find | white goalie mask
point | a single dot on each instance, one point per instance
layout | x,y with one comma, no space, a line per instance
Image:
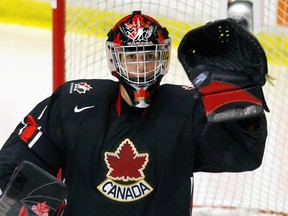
140,65
138,51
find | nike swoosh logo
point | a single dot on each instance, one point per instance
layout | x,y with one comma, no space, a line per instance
77,110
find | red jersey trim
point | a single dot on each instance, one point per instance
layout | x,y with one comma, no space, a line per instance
30,129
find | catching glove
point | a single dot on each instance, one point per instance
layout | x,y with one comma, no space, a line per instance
228,65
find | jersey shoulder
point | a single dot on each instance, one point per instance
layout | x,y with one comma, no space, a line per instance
177,99
177,91
86,87
77,94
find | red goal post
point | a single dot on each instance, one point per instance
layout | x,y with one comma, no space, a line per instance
79,33
58,40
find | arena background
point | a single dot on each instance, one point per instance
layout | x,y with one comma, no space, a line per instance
25,59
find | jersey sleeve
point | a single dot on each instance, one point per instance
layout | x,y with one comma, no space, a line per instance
231,146
35,139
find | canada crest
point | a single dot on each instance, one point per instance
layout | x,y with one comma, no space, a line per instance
38,209
82,87
139,30
41,209
125,177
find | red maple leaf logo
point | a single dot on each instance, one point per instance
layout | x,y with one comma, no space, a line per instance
40,209
126,163
142,93
117,39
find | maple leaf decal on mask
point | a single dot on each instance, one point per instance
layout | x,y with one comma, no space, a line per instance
126,163
142,93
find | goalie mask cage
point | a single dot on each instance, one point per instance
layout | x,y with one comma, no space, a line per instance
79,34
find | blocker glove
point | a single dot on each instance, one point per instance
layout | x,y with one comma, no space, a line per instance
228,65
32,191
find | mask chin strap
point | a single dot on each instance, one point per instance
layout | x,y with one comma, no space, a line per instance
141,96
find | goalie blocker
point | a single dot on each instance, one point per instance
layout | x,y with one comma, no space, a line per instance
228,65
32,191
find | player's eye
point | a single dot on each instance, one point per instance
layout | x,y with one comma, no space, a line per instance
151,57
131,57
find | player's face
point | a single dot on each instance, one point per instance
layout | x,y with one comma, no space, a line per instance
140,65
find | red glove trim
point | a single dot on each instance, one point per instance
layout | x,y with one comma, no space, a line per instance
218,94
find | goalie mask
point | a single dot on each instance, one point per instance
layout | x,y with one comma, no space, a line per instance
138,51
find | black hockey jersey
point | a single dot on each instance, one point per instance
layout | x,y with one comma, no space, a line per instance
119,160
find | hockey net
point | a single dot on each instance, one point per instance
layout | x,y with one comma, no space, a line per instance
80,28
